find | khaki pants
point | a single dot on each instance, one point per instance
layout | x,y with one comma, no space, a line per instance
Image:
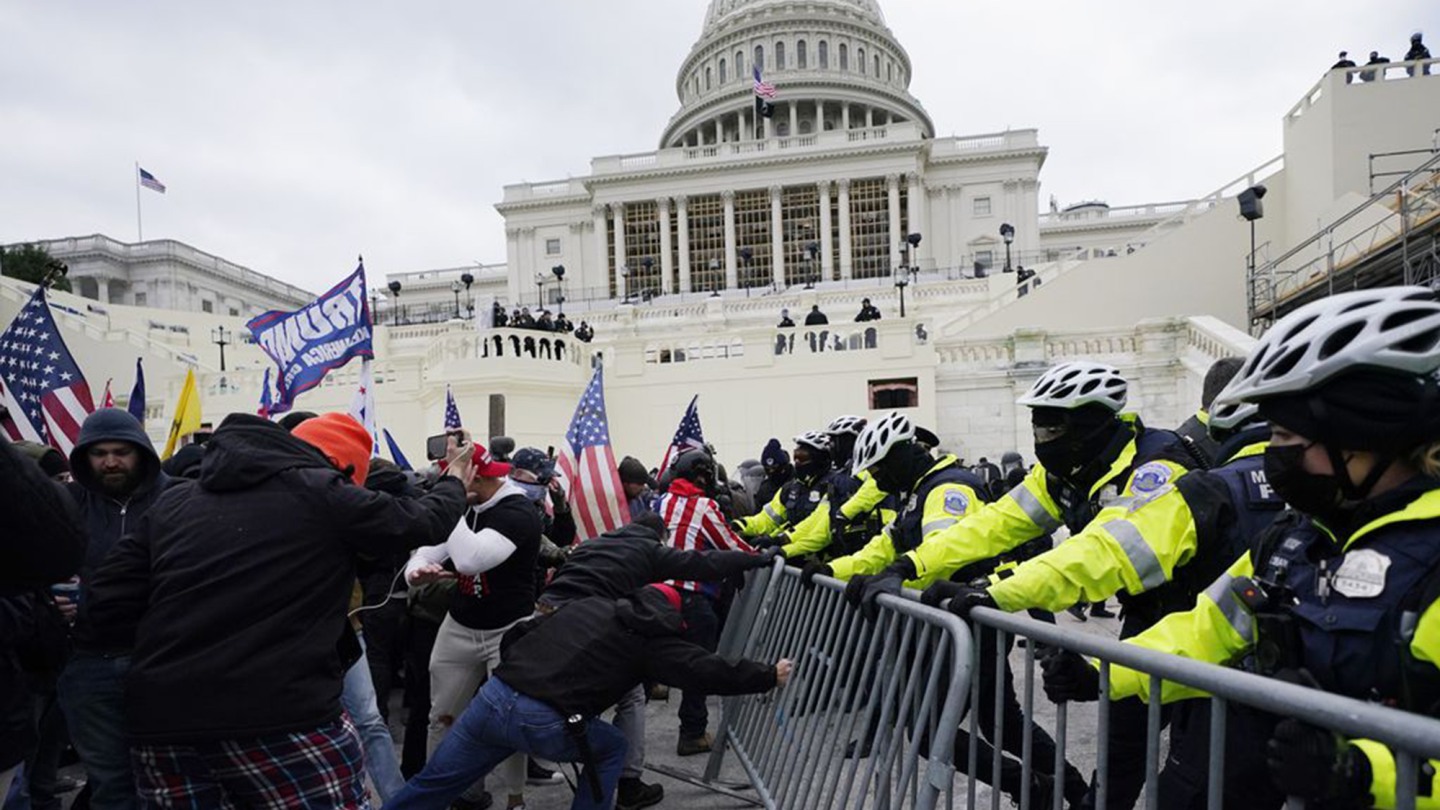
460,662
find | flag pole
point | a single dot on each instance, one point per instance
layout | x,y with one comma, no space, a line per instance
139,224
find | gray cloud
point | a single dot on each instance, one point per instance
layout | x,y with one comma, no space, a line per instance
293,136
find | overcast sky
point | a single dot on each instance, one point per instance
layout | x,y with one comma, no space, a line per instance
293,136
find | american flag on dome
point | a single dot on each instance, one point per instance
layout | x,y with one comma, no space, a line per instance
452,413
763,88
588,463
688,436
44,393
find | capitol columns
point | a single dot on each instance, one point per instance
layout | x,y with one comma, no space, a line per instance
601,274
512,251
847,267
682,221
617,211
827,263
777,238
892,184
666,266
728,196
915,194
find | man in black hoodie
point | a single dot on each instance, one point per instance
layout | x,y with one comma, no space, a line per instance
558,672
117,479
232,591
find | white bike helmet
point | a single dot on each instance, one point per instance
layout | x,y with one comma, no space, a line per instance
846,425
880,437
1231,415
1388,329
815,440
1071,385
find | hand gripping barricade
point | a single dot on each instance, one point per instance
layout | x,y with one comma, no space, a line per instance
868,718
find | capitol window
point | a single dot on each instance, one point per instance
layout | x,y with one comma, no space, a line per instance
552,247
877,66
844,57
760,56
723,74
779,56
207,306
860,58
708,77
982,207
140,299
739,66
824,55
800,55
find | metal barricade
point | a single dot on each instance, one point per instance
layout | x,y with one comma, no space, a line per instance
1412,737
868,718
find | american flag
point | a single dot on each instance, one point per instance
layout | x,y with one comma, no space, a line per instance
763,88
688,436
452,413
43,390
588,463
148,180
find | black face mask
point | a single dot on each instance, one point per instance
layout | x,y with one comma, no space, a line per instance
1318,496
1066,455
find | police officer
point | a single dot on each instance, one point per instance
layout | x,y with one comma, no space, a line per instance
1094,461
854,509
1339,592
797,498
1194,527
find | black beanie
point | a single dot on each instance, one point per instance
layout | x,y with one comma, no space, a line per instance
1363,410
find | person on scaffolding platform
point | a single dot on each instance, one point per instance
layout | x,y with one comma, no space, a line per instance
1343,592
1093,462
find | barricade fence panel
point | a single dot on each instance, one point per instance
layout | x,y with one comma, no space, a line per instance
868,718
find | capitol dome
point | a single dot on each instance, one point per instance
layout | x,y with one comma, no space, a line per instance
834,63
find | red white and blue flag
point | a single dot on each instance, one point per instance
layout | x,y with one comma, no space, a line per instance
763,88
45,394
362,406
688,436
149,181
452,413
588,463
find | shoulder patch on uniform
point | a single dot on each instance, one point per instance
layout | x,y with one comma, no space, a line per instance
1139,499
1150,477
956,502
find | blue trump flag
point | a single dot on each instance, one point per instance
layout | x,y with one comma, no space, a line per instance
400,460
311,341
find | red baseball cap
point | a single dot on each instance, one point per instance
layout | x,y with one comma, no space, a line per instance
486,465
672,595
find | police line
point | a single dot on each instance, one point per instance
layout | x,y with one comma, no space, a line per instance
869,715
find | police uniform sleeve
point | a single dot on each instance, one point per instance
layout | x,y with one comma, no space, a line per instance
1218,630
945,507
1134,546
1424,646
768,520
1024,513
864,500
871,559
811,534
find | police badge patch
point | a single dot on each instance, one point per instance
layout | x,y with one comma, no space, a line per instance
1149,477
956,503
1361,575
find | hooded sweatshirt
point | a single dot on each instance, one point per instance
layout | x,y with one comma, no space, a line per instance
584,657
234,586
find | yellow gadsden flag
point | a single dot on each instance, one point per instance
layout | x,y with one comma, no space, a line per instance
187,415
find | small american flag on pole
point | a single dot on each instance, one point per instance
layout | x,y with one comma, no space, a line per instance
688,436
452,413
588,463
763,88
45,394
149,181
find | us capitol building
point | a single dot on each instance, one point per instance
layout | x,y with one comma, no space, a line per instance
681,258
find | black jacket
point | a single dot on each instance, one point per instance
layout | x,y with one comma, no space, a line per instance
41,537
584,657
620,562
234,587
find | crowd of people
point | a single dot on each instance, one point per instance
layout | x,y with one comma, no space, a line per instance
1416,52
521,318
227,628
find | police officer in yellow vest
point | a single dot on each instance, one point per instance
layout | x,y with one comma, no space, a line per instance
854,509
1095,464
797,499
1343,592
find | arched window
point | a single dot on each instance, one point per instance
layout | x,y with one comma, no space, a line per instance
779,56
800,55
844,57
739,66
889,71
860,60
760,56
708,77
722,72
824,55
877,66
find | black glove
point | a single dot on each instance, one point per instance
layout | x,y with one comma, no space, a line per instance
812,570
1069,677
970,596
767,541
939,592
765,558
866,594
1313,763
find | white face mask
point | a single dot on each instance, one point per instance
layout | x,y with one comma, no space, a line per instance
534,492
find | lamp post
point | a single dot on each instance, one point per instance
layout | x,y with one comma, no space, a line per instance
714,278
1007,232
540,279
220,336
648,264
1252,209
455,288
394,288
746,257
812,252
559,271
468,279
903,272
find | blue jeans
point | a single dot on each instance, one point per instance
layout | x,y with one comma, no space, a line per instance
92,695
498,723
382,764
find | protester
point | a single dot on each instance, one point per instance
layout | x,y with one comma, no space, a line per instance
785,321
639,486
498,317
562,324
1345,63
117,480
44,539
778,470
1375,59
816,317
583,332
1417,51
494,548
233,590
559,673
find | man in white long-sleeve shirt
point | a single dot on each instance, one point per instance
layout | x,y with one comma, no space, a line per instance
493,550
